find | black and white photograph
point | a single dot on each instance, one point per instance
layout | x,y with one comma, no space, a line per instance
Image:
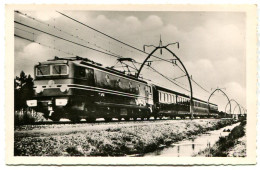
163,83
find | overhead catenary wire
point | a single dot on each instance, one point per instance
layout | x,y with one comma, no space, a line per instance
42,44
176,82
200,86
167,78
123,43
115,55
68,41
95,44
110,36
60,30
65,39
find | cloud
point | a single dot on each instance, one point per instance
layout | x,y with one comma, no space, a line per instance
46,15
153,22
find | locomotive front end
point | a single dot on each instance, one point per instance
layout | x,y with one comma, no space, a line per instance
51,91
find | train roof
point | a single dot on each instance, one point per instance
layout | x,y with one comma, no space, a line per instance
87,62
180,94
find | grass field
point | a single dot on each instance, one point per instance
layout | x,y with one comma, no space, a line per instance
107,139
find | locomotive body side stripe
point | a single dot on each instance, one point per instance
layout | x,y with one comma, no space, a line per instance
103,90
88,89
91,88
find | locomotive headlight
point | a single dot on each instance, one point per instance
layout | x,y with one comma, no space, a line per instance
31,103
64,88
61,102
39,89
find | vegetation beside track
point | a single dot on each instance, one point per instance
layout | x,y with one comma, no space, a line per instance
233,145
110,140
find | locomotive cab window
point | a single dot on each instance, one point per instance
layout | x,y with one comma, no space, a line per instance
82,72
59,69
42,70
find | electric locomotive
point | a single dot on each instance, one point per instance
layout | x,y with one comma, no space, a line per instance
78,88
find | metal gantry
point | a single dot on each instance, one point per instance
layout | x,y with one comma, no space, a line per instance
237,105
218,89
161,47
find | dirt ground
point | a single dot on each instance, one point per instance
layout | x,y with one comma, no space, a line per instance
107,139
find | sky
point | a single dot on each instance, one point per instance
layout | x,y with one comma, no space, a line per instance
212,45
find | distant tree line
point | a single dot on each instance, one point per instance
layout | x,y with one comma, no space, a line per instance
23,90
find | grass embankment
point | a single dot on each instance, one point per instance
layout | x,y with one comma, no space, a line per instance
112,140
225,146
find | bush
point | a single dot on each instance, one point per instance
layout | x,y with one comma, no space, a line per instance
24,116
73,151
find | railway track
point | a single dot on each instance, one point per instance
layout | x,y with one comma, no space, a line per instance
102,121
68,127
